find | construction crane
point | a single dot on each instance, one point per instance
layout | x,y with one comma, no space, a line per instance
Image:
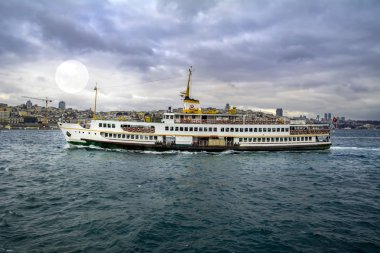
47,101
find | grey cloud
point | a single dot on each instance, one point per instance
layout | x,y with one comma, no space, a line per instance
41,79
75,36
321,49
185,8
11,44
71,34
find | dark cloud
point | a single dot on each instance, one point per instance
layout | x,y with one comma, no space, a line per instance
267,52
71,34
10,44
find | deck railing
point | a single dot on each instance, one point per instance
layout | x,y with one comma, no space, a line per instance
310,131
139,129
231,122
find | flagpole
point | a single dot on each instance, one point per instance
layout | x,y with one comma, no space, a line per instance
96,95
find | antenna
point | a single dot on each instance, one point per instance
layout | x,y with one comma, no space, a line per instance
96,95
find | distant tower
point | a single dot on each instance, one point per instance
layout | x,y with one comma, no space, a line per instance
279,112
325,117
227,107
317,117
329,116
62,105
29,105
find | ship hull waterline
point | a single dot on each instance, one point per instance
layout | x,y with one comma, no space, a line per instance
193,148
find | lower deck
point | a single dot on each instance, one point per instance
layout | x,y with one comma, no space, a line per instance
195,147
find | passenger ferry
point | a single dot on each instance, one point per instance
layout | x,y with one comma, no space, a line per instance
195,130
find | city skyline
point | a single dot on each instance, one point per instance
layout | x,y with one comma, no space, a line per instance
279,112
306,57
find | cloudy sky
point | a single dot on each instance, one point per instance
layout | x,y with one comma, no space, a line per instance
308,57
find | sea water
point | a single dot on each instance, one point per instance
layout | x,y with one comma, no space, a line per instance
57,198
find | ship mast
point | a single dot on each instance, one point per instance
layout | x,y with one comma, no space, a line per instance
187,93
190,105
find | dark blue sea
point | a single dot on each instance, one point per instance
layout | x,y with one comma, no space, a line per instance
56,198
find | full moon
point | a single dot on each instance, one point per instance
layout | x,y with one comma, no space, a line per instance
71,76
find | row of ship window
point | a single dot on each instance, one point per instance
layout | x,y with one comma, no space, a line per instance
130,136
145,137
106,125
228,129
275,139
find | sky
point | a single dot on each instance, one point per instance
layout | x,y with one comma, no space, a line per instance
307,57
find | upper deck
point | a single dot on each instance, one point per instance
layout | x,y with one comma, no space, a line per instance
230,119
226,121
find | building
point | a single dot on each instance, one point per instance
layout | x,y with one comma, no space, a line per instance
23,113
62,105
30,120
327,116
16,120
302,117
279,112
29,105
227,107
5,114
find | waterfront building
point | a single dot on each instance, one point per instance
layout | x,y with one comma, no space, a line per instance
15,120
327,116
29,105
5,114
279,112
62,105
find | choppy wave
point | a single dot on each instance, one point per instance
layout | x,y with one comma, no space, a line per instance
356,137
356,148
227,152
88,198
